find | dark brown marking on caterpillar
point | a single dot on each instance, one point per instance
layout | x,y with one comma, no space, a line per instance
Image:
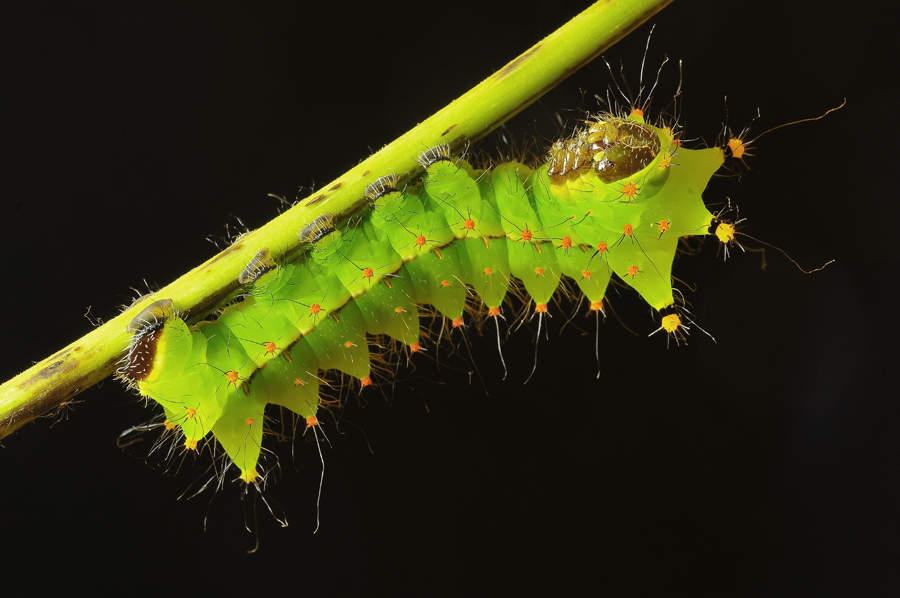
259,265
141,354
444,134
336,187
146,328
315,200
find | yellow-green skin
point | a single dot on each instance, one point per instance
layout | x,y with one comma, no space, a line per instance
461,229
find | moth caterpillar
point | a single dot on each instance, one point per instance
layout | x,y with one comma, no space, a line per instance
613,198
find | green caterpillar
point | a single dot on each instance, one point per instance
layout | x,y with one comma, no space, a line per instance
615,197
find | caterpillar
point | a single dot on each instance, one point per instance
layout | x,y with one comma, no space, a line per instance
614,198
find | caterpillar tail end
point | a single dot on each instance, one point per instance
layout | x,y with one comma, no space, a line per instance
249,476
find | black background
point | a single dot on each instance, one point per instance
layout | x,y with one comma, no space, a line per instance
765,464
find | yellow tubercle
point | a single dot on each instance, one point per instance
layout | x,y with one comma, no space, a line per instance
737,147
725,232
671,322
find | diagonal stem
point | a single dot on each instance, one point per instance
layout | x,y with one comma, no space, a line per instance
55,380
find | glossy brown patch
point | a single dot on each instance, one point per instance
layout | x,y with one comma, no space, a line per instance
141,354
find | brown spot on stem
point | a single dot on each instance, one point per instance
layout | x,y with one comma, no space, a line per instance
515,64
222,254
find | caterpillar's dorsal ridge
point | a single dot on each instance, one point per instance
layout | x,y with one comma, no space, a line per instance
316,230
437,153
259,265
381,186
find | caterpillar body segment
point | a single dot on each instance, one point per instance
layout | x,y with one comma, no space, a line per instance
609,201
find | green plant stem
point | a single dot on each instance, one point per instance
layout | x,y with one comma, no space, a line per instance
55,380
